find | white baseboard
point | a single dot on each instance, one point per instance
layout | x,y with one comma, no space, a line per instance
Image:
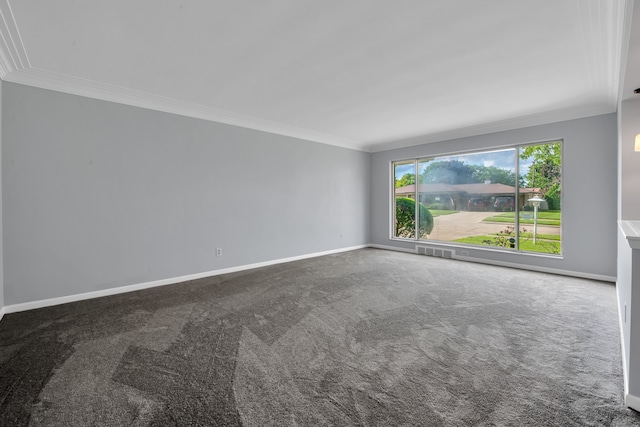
632,401
508,264
14,308
537,268
393,248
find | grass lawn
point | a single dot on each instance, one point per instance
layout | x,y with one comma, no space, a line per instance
555,237
437,212
546,243
526,217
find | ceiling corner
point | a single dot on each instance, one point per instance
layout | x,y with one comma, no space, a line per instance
13,55
624,22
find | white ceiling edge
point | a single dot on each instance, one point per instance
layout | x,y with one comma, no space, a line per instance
76,86
105,92
13,55
545,118
16,68
629,66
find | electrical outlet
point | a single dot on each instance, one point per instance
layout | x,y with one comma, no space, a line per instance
463,253
218,251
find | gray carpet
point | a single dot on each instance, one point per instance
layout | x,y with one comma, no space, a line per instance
364,338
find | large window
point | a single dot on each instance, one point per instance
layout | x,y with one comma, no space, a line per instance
508,198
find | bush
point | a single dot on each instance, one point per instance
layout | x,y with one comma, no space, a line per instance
553,201
405,218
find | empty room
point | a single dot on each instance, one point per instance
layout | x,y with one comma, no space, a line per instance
302,213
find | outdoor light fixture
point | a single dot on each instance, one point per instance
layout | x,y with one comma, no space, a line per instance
535,202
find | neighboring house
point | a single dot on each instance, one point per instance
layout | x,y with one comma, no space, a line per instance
457,196
527,193
430,194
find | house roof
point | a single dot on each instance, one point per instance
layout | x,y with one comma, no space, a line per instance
537,190
429,188
473,189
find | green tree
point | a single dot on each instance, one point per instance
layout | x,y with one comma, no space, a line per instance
406,222
457,172
493,174
545,170
447,172
406,179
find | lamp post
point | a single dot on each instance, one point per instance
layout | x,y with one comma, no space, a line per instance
535,202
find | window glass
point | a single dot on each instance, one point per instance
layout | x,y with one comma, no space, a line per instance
506,199
540,194
404,212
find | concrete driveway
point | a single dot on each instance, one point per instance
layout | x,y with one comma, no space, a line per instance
465,224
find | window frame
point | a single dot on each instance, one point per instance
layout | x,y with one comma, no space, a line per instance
517,147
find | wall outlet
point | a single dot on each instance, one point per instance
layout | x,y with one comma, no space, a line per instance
464,253
218,251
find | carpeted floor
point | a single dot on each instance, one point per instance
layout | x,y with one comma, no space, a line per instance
364,338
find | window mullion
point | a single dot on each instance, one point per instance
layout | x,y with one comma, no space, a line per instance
416,204
516,204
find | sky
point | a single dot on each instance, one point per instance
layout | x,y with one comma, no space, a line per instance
503,159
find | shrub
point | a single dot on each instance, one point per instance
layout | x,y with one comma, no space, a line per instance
506,238
553,201
405,218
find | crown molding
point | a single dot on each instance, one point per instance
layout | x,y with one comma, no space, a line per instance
499,126
13,55
612,45
629,78
96,90
76,86
16,68
625,20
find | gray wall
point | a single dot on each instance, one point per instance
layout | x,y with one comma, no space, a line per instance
589,192
1,228
99,195
630,160
628,260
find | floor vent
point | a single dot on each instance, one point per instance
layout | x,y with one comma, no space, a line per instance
442,253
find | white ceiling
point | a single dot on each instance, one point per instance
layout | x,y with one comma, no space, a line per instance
364,74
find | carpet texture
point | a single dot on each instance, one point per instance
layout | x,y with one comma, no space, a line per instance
364,338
